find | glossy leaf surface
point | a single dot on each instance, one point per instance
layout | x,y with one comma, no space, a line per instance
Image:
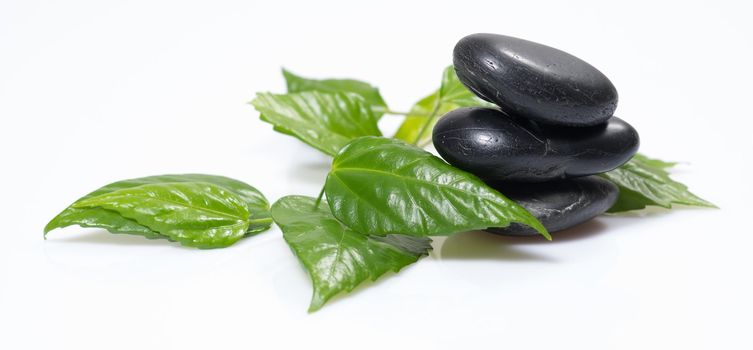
384,186
196,214
337,258
451,94
369,93
325,121
645,182
256,204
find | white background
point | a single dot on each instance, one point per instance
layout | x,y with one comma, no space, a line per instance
94,91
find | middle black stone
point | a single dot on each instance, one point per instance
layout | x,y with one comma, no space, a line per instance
497,147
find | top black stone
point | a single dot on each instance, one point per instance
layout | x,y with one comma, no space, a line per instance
534,81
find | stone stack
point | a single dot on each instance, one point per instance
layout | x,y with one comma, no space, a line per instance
553,131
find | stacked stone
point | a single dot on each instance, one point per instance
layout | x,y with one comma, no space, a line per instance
553,131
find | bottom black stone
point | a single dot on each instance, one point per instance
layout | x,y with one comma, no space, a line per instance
559,204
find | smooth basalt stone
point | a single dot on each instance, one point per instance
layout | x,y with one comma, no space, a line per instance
534,81
559,204
494,146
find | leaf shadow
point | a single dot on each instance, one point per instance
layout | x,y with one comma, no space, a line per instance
485,245
99,236
312,172
583,231
479,245
649,211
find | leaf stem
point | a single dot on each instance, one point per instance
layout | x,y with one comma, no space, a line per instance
389,111
267,220
259,219
428,121
319,198
424,143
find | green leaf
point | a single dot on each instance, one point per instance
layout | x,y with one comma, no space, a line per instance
385,186
655,163
337,258
196,214
325,121
645,182
416,120
369,93
451,94
452,91
255,202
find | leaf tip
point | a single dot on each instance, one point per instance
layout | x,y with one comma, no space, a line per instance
704,203
539,227
535,224
317,301
546,235
313,308
49,227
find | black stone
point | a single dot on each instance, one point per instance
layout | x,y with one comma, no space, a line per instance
560,204
534,81
494,146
